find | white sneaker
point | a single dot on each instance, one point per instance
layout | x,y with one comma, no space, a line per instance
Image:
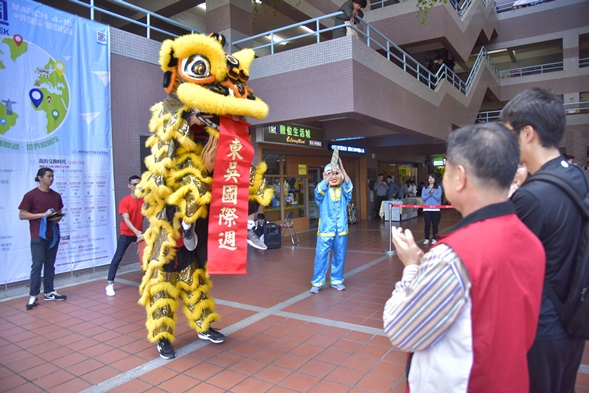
434,241
254,241
426,241
110,290
189,237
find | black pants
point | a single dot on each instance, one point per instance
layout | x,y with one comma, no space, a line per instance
378,200
43,258
432,218
122,244
553,365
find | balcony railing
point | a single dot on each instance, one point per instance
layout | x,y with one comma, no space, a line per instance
374,39
531,70
460,6
151,18
570,108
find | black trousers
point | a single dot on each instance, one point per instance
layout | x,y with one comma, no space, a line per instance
432,219
553,365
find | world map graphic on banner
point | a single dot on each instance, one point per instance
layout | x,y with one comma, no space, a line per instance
55,112
48,91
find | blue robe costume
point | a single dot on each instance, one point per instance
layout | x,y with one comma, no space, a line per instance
332,233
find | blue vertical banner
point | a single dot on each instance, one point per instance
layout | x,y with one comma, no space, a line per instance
55,112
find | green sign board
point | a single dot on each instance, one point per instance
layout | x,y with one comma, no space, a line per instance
294,135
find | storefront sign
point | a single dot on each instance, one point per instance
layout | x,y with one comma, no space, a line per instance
349,149
438,161
293,135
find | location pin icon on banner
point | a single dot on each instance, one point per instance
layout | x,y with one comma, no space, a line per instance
59,67
17,39
36,96
55,114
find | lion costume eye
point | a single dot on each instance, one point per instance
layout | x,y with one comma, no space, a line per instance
196,69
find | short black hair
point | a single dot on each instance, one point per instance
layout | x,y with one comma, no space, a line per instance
363,3
134,177
41,172
488,150
541,110
261,215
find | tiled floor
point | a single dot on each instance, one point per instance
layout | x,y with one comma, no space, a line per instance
281,338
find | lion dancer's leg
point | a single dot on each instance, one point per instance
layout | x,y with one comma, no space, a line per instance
194,285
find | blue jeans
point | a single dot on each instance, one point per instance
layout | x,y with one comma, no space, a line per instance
122,245
43,258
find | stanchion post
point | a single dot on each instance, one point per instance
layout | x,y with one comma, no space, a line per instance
390,250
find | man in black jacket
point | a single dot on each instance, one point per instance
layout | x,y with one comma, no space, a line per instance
537,118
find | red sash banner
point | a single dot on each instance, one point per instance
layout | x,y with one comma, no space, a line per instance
227,244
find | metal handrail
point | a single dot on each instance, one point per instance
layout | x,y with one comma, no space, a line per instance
531,70
374,39
570,108
148,14
459,8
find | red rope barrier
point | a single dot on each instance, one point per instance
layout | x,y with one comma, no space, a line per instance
422,206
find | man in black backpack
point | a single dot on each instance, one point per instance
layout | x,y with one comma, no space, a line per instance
538,119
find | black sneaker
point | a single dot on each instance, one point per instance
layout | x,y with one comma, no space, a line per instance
32,303
212,335
54,296
165,349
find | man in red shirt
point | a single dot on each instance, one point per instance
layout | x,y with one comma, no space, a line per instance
131,230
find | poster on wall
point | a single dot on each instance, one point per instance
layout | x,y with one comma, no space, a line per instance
55,112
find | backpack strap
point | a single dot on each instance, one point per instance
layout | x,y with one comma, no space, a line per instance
583,206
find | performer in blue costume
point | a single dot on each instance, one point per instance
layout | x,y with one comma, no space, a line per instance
332,194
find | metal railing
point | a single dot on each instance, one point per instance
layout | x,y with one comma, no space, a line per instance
375,40
570,108
583,62
460,6
149,16
531,70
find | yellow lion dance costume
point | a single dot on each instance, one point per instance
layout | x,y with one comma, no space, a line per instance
202,83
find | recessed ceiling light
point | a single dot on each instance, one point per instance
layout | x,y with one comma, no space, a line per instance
203,5
277,39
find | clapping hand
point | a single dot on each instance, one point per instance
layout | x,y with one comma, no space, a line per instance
407,250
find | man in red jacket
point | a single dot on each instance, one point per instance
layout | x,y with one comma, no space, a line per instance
469,308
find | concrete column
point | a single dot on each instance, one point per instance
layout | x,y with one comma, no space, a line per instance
570,52
232,18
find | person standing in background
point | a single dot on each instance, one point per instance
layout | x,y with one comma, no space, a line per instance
380,190
131,230
351,9
39,206
393,189
432,195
